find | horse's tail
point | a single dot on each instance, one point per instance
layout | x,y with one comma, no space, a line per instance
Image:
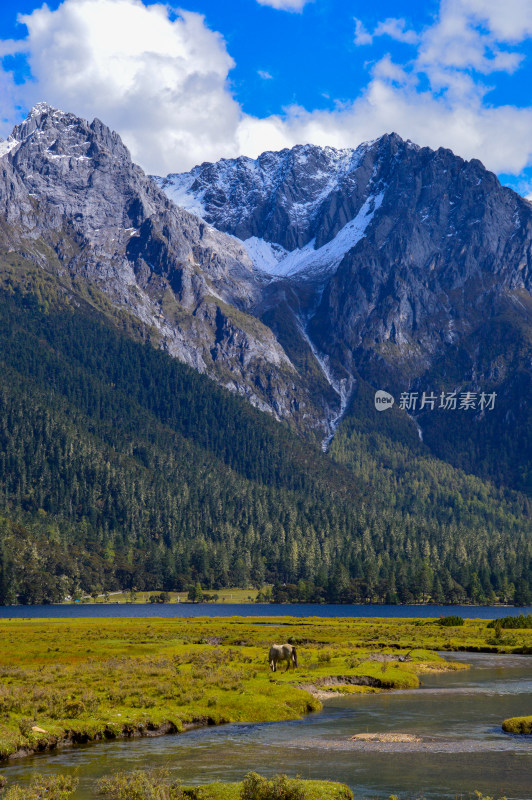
294,656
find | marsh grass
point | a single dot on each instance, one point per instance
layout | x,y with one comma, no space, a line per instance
59,787
97,678
140,785
156,784
255,787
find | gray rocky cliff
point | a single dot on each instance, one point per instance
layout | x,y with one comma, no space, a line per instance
447,241
392,264
73,201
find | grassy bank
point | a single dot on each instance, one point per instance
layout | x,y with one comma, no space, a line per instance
156,785
518,725
92,679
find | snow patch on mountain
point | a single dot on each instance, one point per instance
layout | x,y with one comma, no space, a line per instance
266,256
8,145
39,109
276,261
178,189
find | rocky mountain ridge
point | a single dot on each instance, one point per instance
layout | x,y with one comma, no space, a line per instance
307,274
399,264
72,201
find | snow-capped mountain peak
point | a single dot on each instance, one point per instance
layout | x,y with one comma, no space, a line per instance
289,206
242,181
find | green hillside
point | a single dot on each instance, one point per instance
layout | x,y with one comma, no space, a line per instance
120,467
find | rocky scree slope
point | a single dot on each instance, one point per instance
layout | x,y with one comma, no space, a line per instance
72,201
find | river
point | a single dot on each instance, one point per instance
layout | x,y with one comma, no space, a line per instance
457,717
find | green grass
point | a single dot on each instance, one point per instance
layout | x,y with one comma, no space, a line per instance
309,790
59,787
145,785
94,678
156,785
231,595
518,725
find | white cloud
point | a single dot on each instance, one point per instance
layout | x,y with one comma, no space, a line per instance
467,36
159,80
396,29
162,84
362,35
266,76
9,47
285,5
387,70
508,21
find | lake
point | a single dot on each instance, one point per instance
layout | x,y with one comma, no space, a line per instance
457,716
184,610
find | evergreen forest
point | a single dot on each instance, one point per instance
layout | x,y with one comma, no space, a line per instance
122,468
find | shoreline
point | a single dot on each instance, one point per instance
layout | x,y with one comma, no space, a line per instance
96,680
345,685
73,738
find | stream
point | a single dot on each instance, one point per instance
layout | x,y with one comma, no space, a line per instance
456,715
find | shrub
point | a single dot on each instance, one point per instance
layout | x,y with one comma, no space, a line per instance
255,787
520,621
451,622
74,708
324,657
59,787
522,725
140,785
163,597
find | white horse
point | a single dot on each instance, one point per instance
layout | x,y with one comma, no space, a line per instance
282,652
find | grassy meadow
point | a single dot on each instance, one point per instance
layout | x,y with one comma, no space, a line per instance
64,680
222,596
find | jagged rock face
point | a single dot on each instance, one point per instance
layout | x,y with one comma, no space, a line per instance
61,170
288,197
72,200
397,263
435,237
446,240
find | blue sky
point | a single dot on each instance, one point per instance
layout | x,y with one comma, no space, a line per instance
212,79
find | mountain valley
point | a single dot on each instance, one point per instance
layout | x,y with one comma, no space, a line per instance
178,352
